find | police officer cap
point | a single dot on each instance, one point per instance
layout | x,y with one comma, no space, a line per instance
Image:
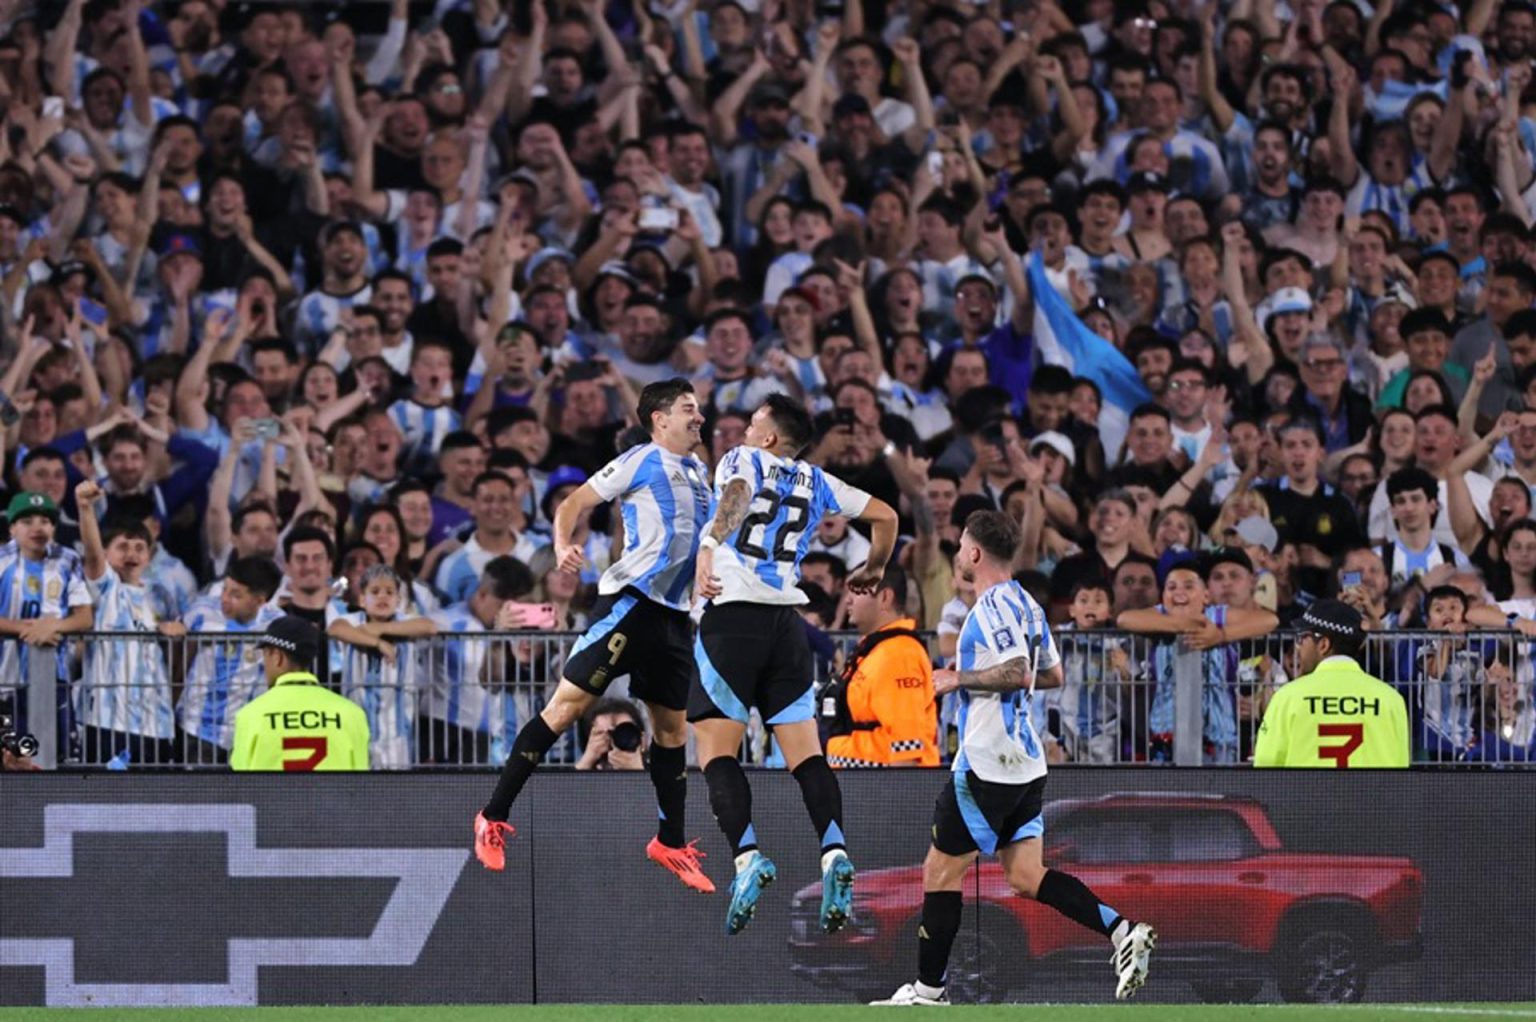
1333,618
295,637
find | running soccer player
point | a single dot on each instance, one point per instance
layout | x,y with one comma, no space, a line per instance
993,801
642,627
752,648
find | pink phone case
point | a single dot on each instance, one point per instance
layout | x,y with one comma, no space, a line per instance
540,616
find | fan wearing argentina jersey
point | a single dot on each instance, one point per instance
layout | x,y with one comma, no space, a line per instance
125,697
226,674
378,672
426,417
1414,497
752,649
43,597
641,627
994,799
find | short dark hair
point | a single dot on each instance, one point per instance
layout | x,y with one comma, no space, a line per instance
1522,323
1446,592
1411,478
124,525
1523,276
660,397
260,575
791,420
996,533
490,476
41,454
309,534
834,563
894,580
1094,582
1051,379
507,577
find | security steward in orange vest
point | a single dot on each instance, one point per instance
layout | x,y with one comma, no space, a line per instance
881,712
297,724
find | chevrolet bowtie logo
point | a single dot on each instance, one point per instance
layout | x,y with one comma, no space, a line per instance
388,898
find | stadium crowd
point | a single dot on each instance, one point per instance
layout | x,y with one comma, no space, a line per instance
1231,304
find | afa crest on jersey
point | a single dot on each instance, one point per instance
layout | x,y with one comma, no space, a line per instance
1003,639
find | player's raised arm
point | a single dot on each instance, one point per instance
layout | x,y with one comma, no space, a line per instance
882,540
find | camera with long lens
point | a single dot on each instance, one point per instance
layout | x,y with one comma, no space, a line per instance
626,736
19,745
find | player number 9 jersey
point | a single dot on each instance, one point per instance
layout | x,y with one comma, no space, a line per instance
759,562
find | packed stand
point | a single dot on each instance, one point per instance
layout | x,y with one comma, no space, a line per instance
1230,304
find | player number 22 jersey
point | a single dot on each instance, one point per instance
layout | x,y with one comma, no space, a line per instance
998,742
760,561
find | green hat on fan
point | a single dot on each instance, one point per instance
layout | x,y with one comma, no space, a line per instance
25,504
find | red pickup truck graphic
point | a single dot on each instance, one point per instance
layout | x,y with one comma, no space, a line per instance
1232,907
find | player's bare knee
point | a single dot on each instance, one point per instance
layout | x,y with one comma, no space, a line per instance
1024,879
943,872
565,707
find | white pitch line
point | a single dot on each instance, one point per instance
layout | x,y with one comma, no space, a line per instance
1422,1009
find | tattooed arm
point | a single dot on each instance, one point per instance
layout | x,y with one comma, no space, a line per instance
728,518
732,510
1008,676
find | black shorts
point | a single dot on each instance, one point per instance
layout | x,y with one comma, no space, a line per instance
752,654
639,637
973,815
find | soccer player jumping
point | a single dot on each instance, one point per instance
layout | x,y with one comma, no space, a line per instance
752,648
642,627
993,801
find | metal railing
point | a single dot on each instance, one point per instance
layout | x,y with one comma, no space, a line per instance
118,700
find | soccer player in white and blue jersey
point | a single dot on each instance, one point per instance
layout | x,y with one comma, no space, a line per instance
994,800
752,649
226,674
641,624
379,671
43,597
125,697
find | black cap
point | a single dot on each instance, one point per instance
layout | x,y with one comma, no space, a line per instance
1227,555
1146,181
295,637
1332,617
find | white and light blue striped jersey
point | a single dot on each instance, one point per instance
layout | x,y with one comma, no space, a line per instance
424,430
458,576
455,689
51,587
386,691
125,686
224,675
761,562
664,500
319,313
171,585
1405,565
997,738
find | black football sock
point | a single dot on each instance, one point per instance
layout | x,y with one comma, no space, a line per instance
532,742
669,774
1071,897
730,797
823,800
936,935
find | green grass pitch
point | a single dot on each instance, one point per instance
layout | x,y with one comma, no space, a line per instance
791,1013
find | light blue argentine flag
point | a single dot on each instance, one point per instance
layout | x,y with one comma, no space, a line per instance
1065,340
